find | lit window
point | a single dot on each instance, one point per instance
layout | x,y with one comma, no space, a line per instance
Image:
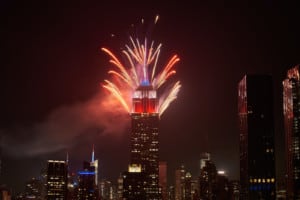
272,180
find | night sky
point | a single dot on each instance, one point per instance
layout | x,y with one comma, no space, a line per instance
52,69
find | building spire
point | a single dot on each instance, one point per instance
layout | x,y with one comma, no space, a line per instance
93,153
67,158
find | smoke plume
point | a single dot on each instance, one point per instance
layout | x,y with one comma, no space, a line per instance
65,126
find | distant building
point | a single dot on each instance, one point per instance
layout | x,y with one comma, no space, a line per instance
34,189
222,186
72,185
257,160
134,184
120,187
87,189
171,193
163,179
195,189
179,183
107,190
207,181
57,180
234,189
94,163
291,111
188,186
144,137
205,156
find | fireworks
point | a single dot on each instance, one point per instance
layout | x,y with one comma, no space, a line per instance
142,60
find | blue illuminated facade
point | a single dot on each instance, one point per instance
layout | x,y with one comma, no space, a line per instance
87,189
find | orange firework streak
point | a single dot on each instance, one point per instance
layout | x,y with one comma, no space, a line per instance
141,72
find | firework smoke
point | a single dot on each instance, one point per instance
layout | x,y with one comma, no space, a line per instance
65,126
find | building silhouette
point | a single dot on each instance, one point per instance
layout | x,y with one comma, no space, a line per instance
256,128
120,188
144,138
107,190
163,179
34,189
188,186
179,183
87,189
291,111
134,184
94,163
207,181
57,179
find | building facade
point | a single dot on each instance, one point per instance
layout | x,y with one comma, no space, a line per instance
291,111
207,181
144,138
134,184
256,128
87,189
57,180
163,179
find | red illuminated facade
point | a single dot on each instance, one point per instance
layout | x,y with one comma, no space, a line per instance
256,128
144,138
291,111
163,179
144,100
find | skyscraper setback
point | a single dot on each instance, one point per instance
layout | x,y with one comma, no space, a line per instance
291,111
257,160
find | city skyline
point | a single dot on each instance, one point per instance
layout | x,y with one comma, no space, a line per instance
53,70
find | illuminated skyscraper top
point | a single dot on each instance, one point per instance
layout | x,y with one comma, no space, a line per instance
140,81
141,78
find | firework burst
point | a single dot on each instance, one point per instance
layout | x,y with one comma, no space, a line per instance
141,69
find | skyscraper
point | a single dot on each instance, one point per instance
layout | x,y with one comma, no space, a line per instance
94,163
257,160
134,183
87,189
163,179
144,137
291,111
179,183
207,181
205,156
57,179
143,79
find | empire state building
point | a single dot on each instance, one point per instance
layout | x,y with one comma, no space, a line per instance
144,137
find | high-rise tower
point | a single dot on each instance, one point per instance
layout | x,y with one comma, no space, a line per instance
143,79
291,111
94,163
57,179
144,137
257,154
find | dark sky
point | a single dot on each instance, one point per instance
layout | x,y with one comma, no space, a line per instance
51,71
